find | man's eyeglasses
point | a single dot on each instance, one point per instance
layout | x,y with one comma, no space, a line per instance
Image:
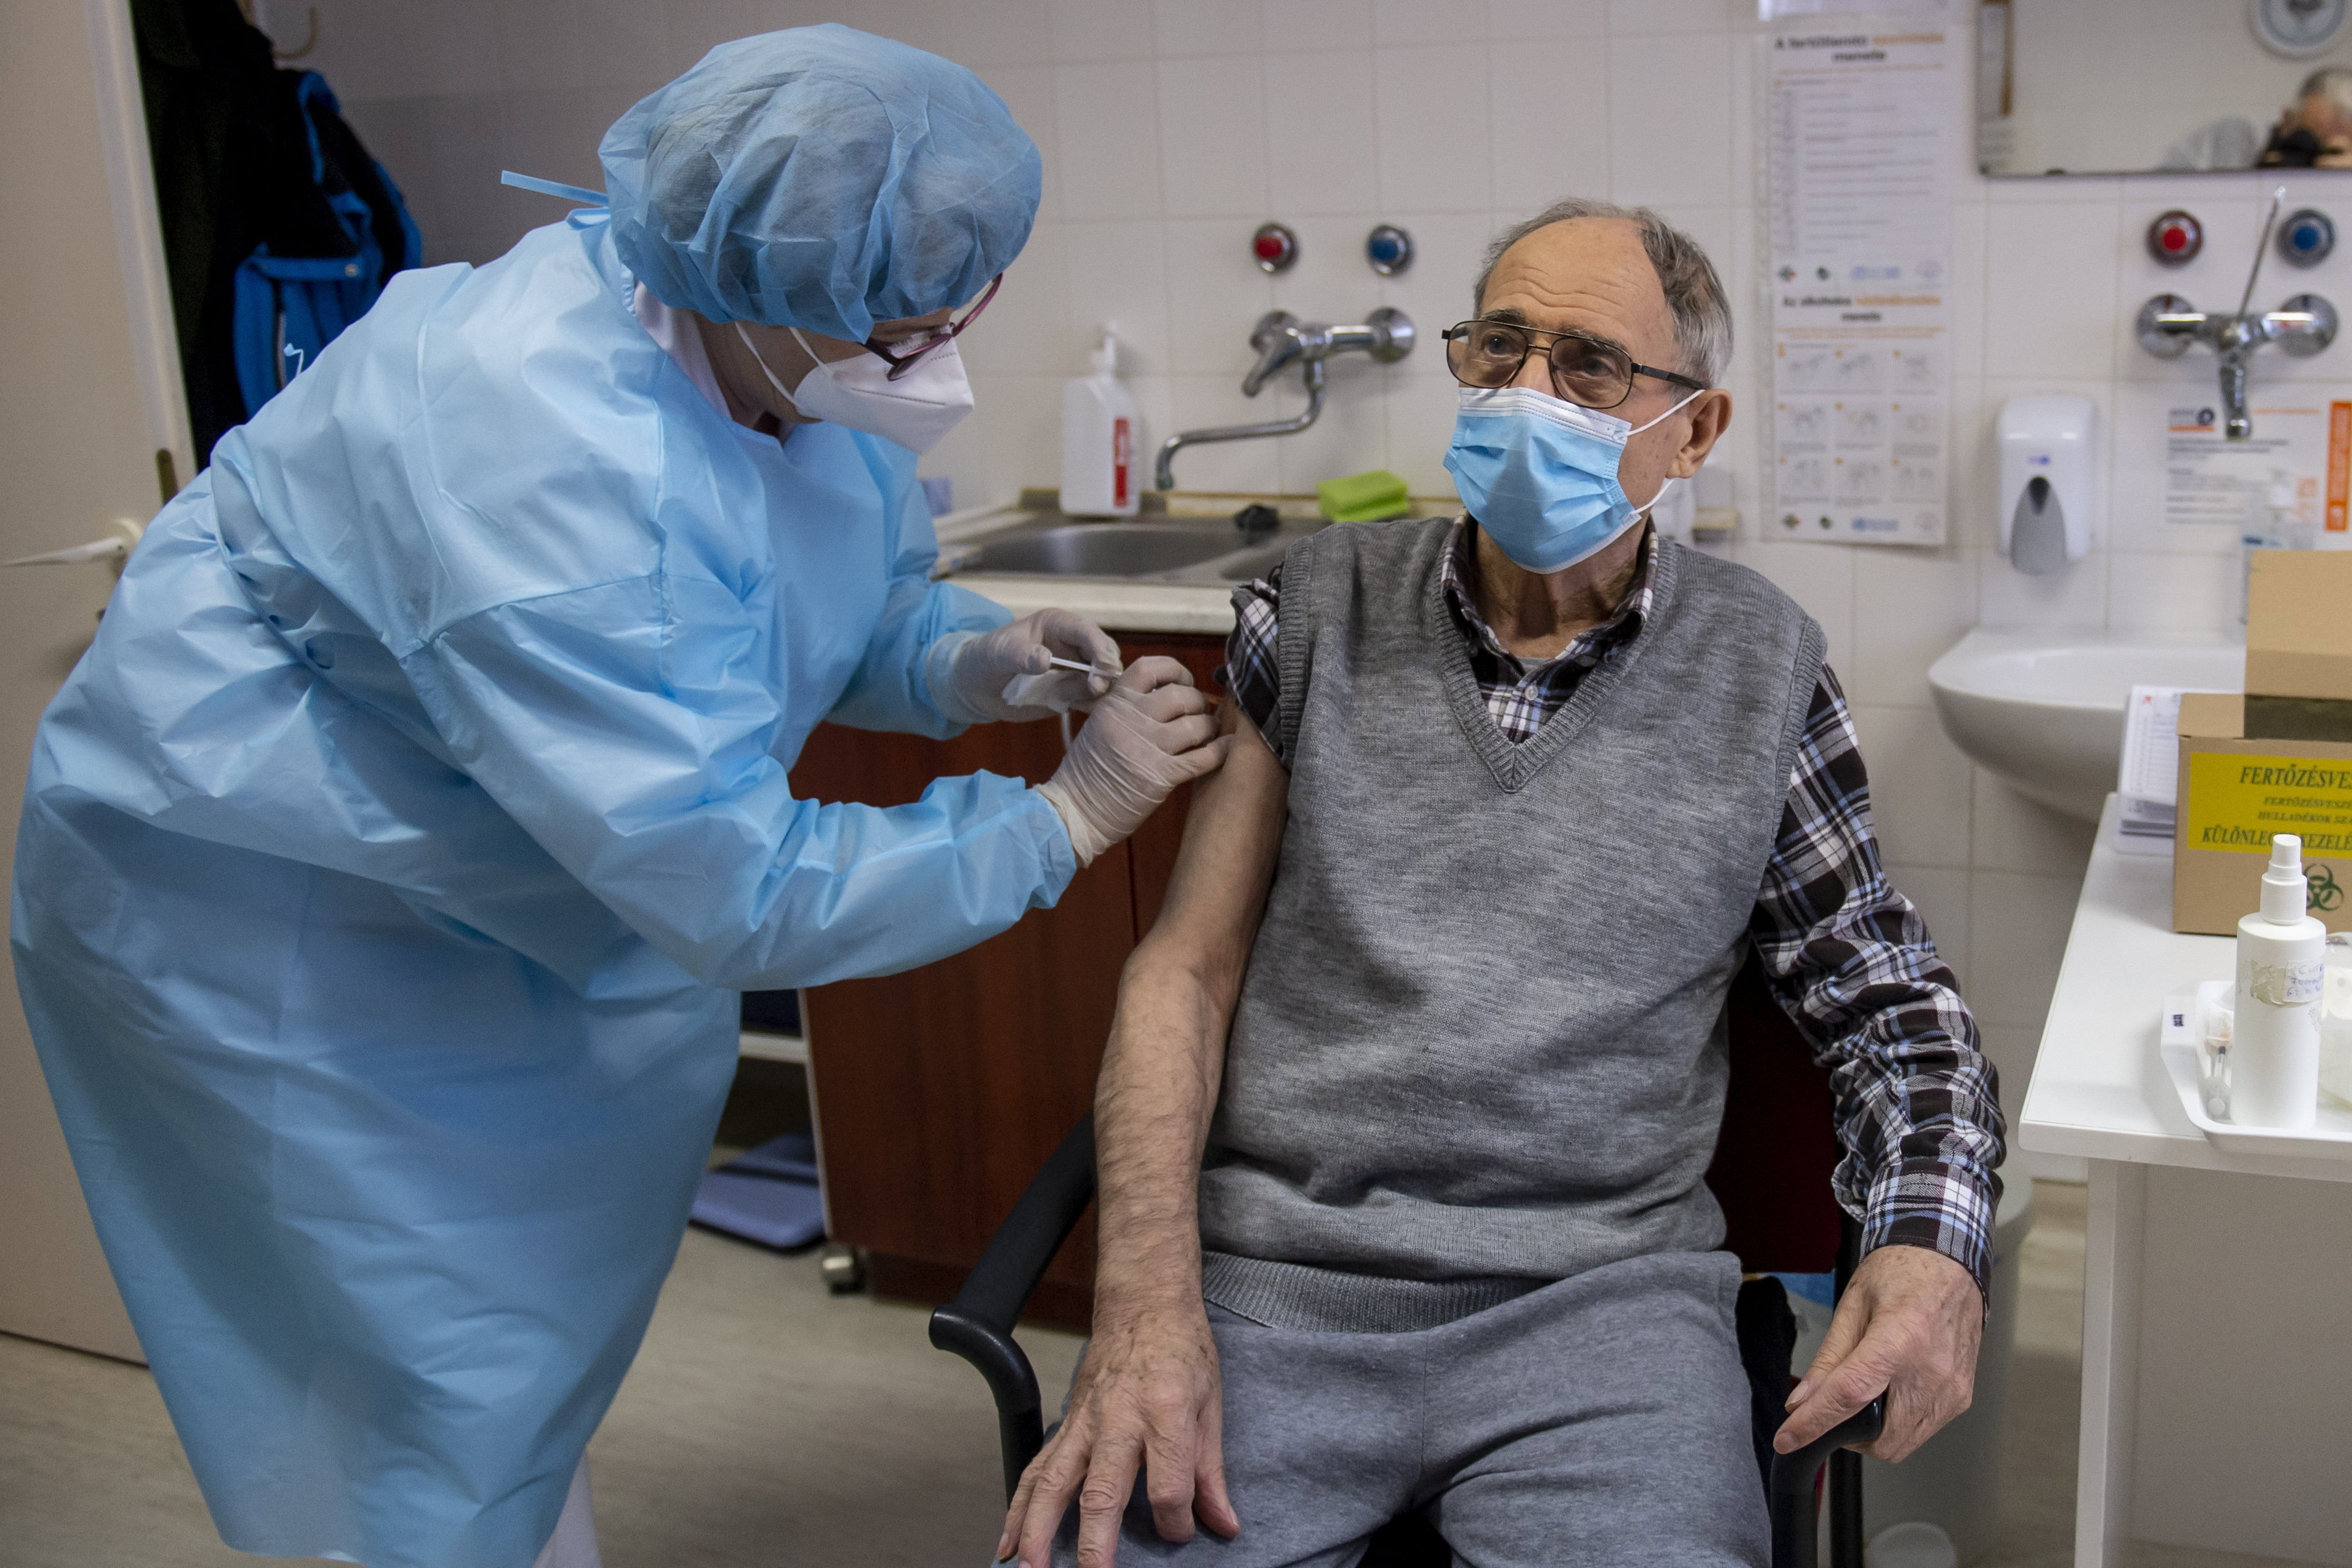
901,356
1585,370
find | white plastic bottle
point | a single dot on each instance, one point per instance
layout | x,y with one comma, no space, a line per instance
1099,436
2281,974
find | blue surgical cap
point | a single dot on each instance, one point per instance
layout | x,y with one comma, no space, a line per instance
820,178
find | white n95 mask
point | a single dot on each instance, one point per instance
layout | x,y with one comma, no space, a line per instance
1539,474
914,411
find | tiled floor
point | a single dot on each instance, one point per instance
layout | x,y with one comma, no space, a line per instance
768,1425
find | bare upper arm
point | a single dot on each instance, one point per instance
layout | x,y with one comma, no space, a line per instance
1231,837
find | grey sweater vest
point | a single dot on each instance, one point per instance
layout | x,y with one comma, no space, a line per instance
1480,1044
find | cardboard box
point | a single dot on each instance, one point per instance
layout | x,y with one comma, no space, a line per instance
2299,624
2234,794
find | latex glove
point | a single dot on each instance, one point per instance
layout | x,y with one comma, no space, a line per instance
983,677
1150,732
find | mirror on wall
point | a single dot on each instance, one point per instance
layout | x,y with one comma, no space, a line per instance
2105,87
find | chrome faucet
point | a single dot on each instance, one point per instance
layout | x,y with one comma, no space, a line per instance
1282,340
2305,324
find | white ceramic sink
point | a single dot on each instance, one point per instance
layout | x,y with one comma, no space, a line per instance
2044,712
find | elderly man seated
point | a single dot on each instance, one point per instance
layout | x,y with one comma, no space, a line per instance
1405,1114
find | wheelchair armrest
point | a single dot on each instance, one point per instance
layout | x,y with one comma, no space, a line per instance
978,1324
1791,1490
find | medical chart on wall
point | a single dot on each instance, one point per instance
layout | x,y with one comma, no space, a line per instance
2175,472
1858,152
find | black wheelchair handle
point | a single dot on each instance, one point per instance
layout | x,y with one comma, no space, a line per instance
1794,1530
978,1324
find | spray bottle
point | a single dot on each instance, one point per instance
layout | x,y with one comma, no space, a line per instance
1100,432
2282,970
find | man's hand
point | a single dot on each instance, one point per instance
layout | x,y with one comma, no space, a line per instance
1907,1326
1149,1395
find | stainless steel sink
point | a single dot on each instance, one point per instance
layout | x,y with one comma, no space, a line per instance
1206,551
1104,550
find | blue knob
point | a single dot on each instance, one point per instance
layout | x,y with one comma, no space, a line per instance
1389,249
2306,238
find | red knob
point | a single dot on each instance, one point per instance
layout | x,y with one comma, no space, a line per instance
1274,247
2175,237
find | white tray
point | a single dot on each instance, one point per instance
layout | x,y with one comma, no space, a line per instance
2328,1138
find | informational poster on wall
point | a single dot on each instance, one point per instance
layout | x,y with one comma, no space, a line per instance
2290,481
1858,148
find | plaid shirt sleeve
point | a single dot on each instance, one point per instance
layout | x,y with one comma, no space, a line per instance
1851,960
1249,674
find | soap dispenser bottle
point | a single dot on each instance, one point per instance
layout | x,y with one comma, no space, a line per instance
2282,970
1099,439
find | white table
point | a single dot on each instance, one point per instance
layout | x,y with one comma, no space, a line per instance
2216,1313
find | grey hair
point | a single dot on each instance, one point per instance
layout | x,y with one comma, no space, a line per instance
2332,83
1695,296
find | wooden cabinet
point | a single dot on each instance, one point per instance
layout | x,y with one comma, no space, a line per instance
938,1092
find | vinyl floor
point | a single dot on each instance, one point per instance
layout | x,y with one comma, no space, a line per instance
769,1425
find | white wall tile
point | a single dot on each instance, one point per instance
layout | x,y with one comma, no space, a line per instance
1206,26
1331,281
1966,296
1215,293
2164,594
1320,152
2012,1049
1027,329
1421,423
1101,30
1547,144
1918,786
1351,437
1028,92
1910,608
1435,289
2075,595
2050,274
1632,17
2017,934
1116,272
1529,20
1106,126
1432,109
1203,400
1670,119
2048,190
2014,834
1002,32
1320,26
1212,137
1428,21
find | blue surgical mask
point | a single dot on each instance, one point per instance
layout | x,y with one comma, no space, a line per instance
1539,474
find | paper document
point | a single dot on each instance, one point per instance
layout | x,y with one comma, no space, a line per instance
2147,777
1857,130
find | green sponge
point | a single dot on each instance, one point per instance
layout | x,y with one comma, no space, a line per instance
1363,498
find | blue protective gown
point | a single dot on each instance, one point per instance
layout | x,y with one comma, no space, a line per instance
384,861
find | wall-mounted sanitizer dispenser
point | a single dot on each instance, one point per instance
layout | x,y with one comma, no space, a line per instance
2047,454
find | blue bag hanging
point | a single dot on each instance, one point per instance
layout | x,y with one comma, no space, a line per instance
290,307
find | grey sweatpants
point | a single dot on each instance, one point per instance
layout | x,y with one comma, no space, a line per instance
1602,1420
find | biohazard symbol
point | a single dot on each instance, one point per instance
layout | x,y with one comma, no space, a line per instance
2325,892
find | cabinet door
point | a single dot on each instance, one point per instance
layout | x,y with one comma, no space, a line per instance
938,1092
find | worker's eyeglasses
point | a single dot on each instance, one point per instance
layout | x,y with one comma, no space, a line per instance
1585,370
901,356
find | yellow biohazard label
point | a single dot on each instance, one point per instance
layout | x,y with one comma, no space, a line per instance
2238,802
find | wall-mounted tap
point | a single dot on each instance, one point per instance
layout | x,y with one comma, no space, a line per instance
1282,340
2305,324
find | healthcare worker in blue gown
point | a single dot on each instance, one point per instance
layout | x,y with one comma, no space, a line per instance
391,861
